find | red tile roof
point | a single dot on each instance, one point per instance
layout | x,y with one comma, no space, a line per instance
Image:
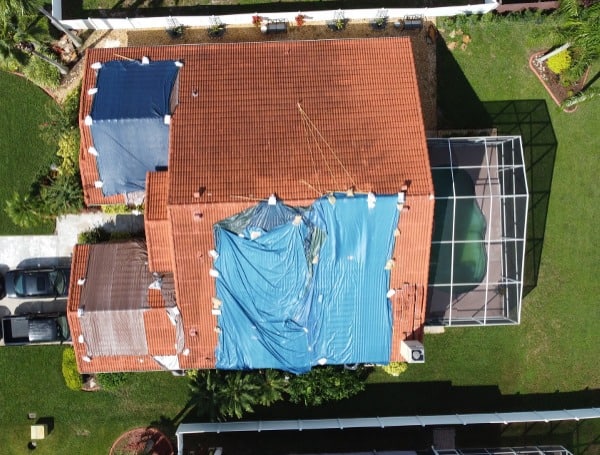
156,223
297,119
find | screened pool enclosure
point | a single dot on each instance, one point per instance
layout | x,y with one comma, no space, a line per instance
478,242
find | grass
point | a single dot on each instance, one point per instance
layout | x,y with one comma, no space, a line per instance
550,361
23,154
84,422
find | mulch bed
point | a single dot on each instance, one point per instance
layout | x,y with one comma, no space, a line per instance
147,441
552,84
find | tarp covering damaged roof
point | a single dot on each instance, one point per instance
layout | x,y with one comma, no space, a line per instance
130,116
301,287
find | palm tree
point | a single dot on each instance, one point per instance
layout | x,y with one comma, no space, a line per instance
237,395
579,28
272,384
203,394
29,48
24,7
18,39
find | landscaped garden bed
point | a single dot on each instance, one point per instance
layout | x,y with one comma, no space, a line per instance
558,90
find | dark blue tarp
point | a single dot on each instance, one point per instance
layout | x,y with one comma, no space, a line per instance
128,128
301,287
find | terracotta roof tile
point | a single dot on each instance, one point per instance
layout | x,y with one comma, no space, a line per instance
156,223
293,118
160,332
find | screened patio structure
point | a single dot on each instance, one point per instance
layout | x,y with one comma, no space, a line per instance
478,243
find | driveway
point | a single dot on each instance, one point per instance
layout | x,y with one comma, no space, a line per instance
20,251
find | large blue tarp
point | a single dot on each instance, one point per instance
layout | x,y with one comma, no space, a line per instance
302,287
128,128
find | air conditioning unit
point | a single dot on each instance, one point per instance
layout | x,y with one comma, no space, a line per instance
412,351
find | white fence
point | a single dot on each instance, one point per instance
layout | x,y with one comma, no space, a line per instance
246,19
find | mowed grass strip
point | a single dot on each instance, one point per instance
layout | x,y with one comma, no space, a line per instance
23,153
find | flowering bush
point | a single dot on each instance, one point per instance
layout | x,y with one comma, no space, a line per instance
69,370
395,368
560,62
257,20
300,20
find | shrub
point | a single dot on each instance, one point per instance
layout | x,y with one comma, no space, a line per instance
112,381
69,369
62,196
41,73
560,62
68,152
46,199
117,209
395,368
323,384
94,235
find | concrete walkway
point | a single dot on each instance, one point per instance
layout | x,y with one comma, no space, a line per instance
43,250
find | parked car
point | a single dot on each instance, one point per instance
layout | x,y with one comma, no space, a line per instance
36,283
35,328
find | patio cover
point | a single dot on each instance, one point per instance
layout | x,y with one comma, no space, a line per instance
129,129
304,287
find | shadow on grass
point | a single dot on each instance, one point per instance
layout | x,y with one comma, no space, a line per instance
530,119
75,9
460,108
409,399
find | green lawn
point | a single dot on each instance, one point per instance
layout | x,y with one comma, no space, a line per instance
84,422
546,362
23,154
559,332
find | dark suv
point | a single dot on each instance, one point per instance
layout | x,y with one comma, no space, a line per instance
37,283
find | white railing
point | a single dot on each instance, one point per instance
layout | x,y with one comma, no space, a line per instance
134,23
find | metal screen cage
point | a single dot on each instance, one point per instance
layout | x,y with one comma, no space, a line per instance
478,243
530,450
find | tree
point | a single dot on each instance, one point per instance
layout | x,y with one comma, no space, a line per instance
579,29
237,394
272,385
24,7
218,394
19,36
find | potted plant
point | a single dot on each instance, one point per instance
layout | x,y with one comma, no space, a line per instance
380,21
216,28
257,20
176,32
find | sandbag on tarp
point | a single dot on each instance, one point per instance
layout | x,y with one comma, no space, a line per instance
305,287
128,121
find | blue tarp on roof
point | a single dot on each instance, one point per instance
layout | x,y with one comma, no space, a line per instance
301,287
128,128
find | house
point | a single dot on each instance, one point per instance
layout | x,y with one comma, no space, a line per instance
289,206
